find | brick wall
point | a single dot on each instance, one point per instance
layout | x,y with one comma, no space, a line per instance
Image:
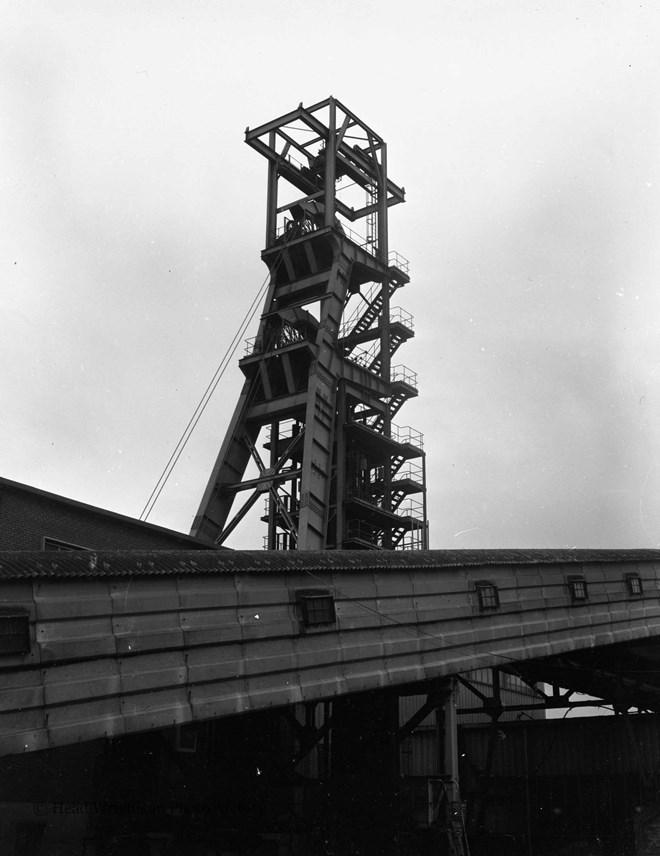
28,515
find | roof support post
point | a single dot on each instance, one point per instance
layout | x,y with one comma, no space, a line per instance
454,818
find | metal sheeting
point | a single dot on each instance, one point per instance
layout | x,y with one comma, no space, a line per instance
419,755
595,745
114,655
583,746
419,751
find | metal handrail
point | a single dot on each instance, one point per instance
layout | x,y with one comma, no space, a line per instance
401,316
403,374
366,495
396,260
411,508
397,316
411,471
406,434
364,531
413,540
365,357
400,434
294,161
291,503
288,335
253,345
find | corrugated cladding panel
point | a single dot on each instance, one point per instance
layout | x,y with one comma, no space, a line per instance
419,755
586,746
259,653
582,746
62,684
71,600
419,751
205,592
408,707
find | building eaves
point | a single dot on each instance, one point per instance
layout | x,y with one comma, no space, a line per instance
122,563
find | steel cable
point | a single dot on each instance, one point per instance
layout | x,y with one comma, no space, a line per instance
204,400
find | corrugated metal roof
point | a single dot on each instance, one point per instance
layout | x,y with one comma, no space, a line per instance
120,563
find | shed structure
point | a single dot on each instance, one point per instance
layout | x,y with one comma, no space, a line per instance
103,644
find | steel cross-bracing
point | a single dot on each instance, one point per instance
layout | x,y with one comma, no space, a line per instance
313,431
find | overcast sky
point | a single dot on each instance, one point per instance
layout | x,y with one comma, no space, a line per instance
527,138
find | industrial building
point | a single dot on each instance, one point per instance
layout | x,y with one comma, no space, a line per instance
346,689
250,702
34,519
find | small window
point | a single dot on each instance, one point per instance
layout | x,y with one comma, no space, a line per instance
317,609
186,738
14,633
489,597
54,544
578,588
634,583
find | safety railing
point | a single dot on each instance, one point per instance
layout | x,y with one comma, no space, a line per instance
287,335
291,229
410,471
402,374
397,316
365,532
254,345
411,508
408,507
293,161
407,435
400,316
372,496
413,540
290,504
284,432
365,357
368,244
396,260
283,541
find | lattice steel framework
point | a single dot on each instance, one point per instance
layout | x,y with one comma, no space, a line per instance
320,391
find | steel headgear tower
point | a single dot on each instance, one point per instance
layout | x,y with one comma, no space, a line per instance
320,383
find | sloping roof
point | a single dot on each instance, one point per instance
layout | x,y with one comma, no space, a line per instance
120,563
103,513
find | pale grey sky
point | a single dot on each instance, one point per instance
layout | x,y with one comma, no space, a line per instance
527,137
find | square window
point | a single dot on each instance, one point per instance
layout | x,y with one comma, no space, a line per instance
14,633
317,609
634,583
488,596
578,588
